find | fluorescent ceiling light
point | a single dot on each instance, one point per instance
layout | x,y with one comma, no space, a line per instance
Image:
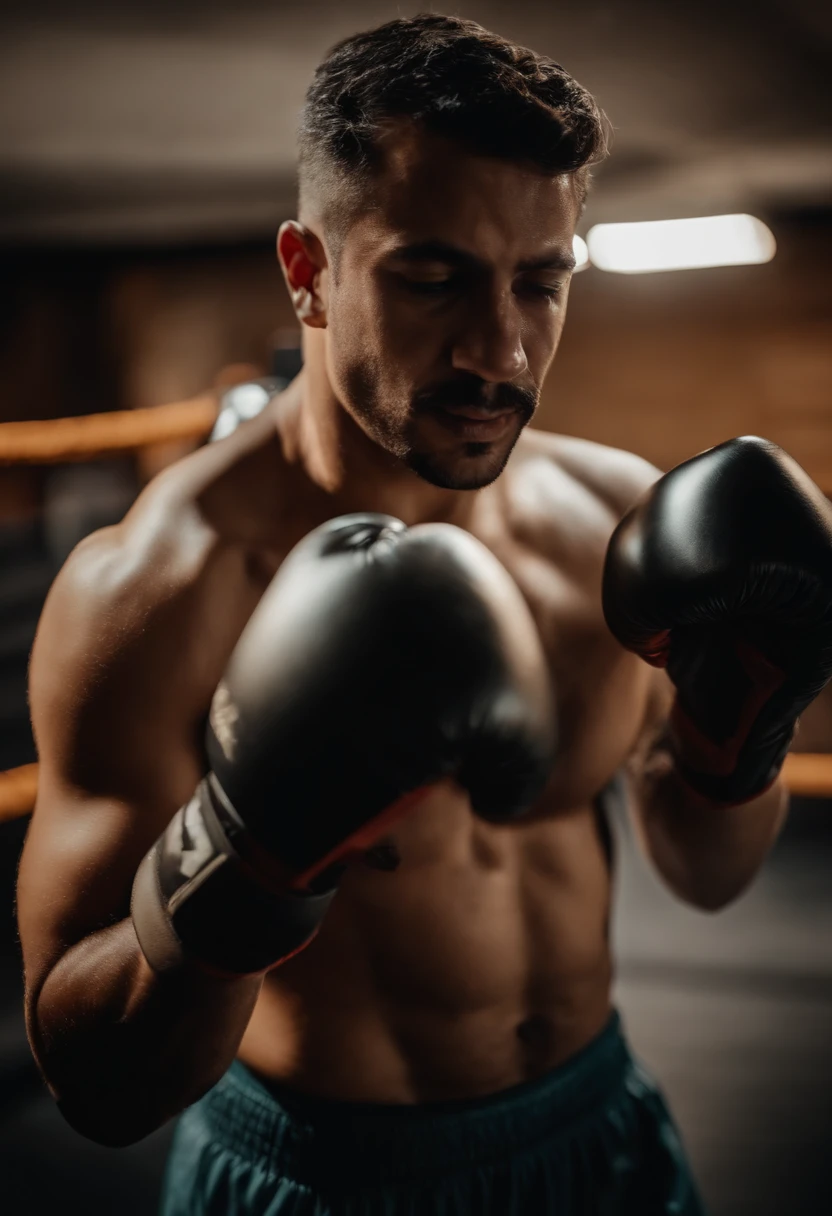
581,253
712,240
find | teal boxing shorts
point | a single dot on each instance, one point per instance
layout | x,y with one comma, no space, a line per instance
590,1138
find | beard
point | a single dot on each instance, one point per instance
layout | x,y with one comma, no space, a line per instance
476,465
469,465
460,465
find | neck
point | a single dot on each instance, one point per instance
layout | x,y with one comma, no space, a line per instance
356,474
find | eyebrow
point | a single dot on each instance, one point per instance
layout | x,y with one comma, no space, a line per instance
442,251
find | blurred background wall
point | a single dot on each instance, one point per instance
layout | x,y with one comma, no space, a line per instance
146,160
147,156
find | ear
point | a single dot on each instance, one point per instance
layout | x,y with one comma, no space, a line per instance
303,261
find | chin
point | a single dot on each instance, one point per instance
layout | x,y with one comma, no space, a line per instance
471,468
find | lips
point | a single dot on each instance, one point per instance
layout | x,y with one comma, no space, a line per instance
474,422
477,413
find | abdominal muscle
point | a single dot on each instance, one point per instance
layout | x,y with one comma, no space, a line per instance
479,962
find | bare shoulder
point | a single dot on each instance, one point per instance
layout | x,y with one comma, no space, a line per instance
566,495
181,562
163,543
613,476
133,635
561,499
116,579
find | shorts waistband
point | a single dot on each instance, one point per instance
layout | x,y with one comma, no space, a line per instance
304,1136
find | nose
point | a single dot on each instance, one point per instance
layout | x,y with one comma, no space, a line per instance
491,344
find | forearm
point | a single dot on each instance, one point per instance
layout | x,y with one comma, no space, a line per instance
707,854
124,1049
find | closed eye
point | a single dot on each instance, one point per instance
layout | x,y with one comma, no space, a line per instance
439,287
547,290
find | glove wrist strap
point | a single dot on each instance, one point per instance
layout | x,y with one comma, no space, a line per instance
198,898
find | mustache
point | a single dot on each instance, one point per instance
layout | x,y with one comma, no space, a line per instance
475,392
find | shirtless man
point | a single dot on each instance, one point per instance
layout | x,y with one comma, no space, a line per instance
370,953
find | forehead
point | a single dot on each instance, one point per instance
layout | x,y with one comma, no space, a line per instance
431,188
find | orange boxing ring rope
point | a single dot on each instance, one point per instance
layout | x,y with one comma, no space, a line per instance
61,440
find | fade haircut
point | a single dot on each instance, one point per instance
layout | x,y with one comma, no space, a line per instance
457,80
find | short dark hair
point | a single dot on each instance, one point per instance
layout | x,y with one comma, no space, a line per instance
454,78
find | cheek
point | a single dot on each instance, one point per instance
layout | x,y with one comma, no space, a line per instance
363,375
352,347
560,311
380,348
367,326
408,330
352,316
542,334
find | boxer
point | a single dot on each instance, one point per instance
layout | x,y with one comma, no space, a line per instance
319,856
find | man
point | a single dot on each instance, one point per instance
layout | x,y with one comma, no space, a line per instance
368,904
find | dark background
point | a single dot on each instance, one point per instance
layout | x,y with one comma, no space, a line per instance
146,159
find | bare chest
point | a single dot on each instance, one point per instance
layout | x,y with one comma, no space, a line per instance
600,691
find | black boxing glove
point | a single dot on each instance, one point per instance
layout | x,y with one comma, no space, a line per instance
722,573
380,660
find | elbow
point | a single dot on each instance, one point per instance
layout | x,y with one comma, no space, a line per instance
709,901
112,1124
708,884
707,893
102,1125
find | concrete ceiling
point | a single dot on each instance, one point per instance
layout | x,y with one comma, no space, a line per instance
155,122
